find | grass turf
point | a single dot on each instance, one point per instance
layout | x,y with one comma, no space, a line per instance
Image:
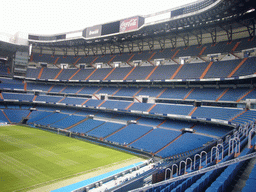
31,156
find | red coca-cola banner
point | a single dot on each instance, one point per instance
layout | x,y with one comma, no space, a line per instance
129,24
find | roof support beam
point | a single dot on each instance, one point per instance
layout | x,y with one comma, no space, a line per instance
161,42
186,39
130,46
86,51
199,37
94,50
213,33
229,31
112,48
140,45
151,44
76,51
250,25
103,49
173,41
65,52
53,51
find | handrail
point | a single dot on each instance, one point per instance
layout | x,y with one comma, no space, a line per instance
185,168
250,137
197,155
201,154
177,169
191,163
233,141
201,171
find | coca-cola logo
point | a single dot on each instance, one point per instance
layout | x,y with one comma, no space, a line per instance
129,24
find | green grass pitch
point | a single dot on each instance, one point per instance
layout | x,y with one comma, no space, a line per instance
31,156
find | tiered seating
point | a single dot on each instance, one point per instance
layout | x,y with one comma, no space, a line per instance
145,55
140,72
67,122
234,94
38,86
214,130
105,129
248,68
205,94
129,134
56,88
71,89
164,72
126,117
248,116
172,124
88,90
87,59
48,98
93,103
221,47
230,94
11,84
67,59
82,74
188,141
49,73
86,126
122,57
187,71
37,115
149,122
227,176
192,70
50,119
100,74
43,58
203,181
141,106
216,113
3,70
107,90
189,51
246,43
152,92
18,96
2,116
127,91
73,100
155,140
250,183
111,104
226,68
172,109
104,58
66,74
251,94
16,116
175,93
33,72
166,53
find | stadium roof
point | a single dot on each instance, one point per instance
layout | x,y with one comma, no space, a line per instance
180,26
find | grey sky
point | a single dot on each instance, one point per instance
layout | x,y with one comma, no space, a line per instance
58,16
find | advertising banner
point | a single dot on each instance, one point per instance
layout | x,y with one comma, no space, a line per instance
129,24
94,31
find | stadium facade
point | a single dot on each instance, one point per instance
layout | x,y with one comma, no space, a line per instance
176,86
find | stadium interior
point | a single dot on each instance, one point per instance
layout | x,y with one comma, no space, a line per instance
180,92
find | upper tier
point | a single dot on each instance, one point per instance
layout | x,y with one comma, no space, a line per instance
204,70
148,69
